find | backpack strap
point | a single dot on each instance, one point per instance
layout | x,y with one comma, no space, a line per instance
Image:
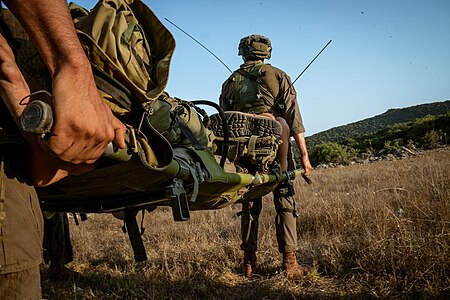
113,87
257,79
251,76
187,132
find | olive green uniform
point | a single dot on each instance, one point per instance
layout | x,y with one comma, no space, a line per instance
273,84
21,221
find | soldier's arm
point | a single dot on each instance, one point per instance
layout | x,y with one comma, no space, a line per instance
44,168
295,121
304,157
84,124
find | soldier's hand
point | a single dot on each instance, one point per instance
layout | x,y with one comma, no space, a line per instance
306,165
83,123
45,168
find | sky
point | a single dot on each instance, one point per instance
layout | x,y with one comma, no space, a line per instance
384,53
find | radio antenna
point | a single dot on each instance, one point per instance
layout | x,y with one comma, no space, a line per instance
204,47
311,62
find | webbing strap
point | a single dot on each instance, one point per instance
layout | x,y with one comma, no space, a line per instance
193,172
288,210
252,146
188,134
251,76
257,78
117,90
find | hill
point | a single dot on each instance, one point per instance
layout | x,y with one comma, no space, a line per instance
377,123
376,231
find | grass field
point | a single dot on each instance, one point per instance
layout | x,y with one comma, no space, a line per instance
378,231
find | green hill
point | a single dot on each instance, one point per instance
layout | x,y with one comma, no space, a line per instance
377,123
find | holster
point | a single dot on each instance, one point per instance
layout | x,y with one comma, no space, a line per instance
284,189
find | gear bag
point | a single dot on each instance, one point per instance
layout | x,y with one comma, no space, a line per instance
127,41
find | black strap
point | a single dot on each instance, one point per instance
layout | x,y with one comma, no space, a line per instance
188,134
113,87
185,130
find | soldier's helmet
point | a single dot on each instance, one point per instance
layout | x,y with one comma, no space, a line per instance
255,45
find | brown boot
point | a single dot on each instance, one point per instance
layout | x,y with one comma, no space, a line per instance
294,271
249,264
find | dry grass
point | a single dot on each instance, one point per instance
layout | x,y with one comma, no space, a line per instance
366,231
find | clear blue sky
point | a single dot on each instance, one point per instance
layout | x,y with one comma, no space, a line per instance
385,53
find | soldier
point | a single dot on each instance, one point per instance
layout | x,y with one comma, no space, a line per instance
84,126
259,88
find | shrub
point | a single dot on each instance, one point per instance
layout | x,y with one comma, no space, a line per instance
331,152
392,146
430,140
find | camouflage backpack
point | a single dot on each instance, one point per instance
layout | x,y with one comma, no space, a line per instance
247,85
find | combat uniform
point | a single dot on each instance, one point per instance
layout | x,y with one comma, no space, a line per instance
21,221
273,84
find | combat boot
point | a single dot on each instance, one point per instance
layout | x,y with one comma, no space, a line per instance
293,270
249,264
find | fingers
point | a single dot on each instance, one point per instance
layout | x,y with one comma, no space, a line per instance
120,133
308,169
82,145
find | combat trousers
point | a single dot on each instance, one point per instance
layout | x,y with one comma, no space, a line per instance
285,224
285,220
21,230
21,222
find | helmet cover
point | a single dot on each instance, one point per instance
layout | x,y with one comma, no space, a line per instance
255,45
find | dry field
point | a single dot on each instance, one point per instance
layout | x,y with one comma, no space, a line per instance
378,231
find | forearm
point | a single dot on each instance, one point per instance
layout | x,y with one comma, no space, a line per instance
301,144
304,158
50,27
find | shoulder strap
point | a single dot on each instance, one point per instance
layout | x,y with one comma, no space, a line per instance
251,76
257,78
117,90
